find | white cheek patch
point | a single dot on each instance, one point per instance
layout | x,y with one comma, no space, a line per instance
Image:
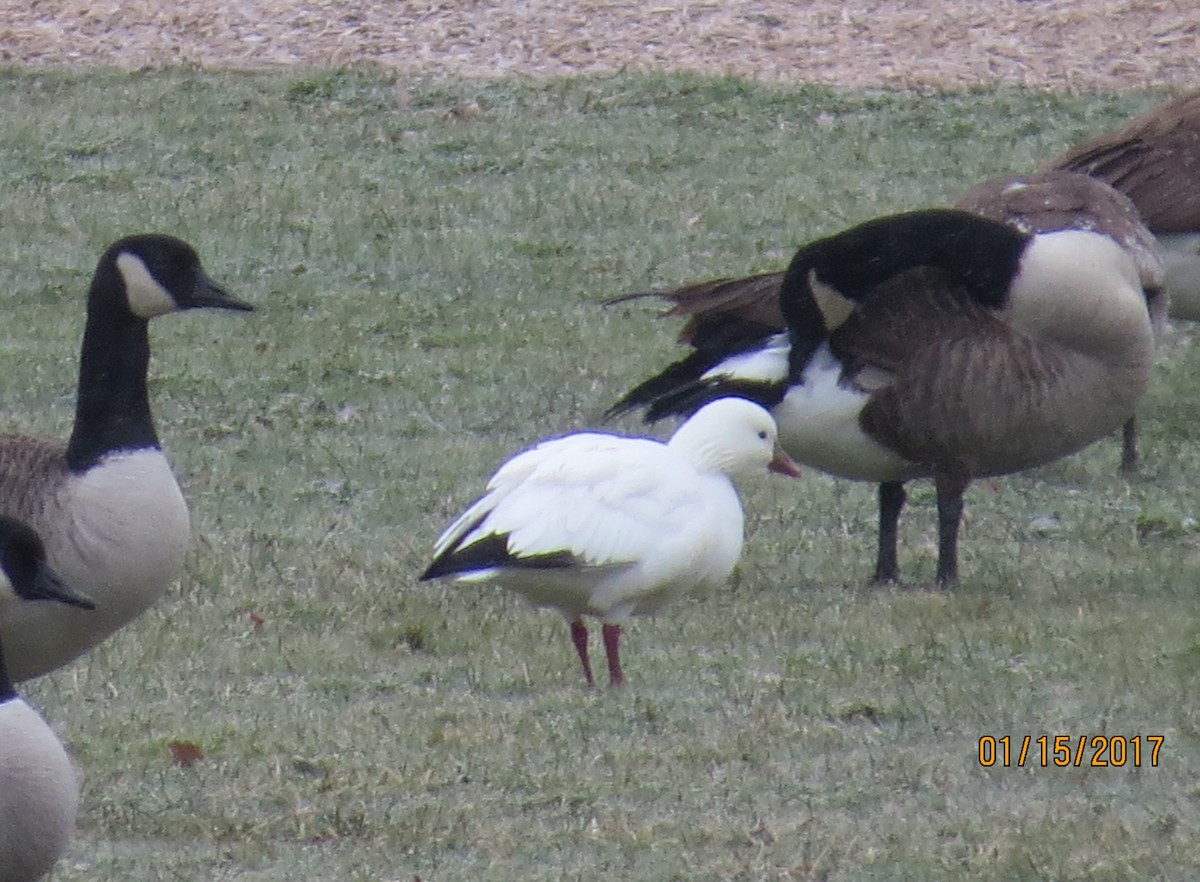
146,297
835,308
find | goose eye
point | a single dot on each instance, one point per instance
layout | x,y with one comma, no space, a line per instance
762,434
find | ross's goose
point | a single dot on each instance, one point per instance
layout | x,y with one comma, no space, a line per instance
600,525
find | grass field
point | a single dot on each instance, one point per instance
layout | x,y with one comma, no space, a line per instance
427,260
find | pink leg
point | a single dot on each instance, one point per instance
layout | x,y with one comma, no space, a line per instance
579,636
612,640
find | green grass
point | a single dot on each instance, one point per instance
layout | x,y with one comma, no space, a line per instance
427,258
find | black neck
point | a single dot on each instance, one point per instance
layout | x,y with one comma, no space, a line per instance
112,410
983,255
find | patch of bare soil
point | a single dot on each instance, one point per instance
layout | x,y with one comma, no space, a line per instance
1074,44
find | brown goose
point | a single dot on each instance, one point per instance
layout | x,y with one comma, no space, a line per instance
929,344
1063,200
1155,160
106,502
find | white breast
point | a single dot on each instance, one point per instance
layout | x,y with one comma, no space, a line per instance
129,526
38,794
818,419
818,426
118,533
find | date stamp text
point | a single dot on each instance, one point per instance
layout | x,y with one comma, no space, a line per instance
1069,750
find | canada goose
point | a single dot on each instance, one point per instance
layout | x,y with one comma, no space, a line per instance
1155,160
929,344
106,503
1040,203
38,790
601,525
1063,200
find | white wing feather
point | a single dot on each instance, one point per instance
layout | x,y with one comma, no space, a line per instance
767,363
603,498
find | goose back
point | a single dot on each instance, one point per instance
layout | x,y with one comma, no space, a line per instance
1154,159
1065,200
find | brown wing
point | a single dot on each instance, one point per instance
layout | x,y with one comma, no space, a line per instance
749,301
928,352
903,317
1154,160
976,403
954,386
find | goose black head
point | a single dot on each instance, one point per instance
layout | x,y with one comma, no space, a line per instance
159,274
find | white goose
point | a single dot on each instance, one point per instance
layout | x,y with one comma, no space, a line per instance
38,790
105,502
601,525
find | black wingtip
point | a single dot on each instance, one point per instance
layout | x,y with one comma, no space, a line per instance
667,383
492,552
686,401
631,401
681,389
440,567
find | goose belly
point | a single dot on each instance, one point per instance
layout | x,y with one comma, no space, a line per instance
819,426
118,533
998,405
38,794
616,592
1014,432
692,554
